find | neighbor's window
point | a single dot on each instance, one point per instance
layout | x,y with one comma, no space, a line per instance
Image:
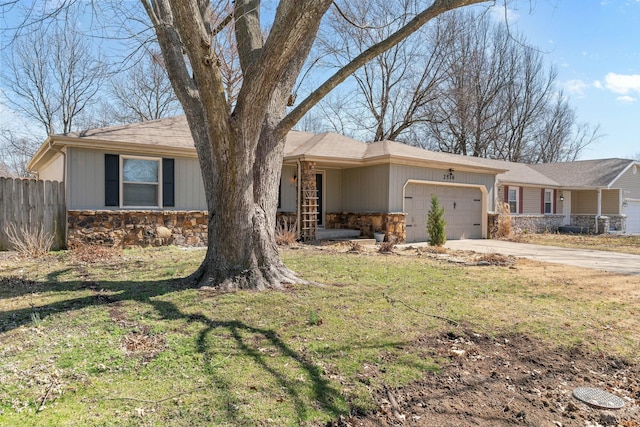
513,199
140,182
548,201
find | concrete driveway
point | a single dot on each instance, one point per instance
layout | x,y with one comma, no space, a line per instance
600,260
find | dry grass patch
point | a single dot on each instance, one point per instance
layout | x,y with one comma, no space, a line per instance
602,242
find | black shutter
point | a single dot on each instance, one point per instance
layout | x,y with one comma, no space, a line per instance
168,187
111,180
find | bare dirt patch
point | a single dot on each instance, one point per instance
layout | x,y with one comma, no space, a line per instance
505,381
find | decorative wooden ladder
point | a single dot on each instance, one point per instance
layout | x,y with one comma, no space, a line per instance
309,214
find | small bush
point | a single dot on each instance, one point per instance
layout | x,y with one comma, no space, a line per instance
502,228
436,224
354,246
286,232
34,243
386,247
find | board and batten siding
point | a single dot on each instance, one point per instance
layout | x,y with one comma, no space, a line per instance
333,190
85,186
366,189
288,189
400,174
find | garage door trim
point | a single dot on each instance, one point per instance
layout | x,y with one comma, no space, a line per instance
635,202
482,188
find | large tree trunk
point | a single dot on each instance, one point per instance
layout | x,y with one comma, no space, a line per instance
242,253
240,150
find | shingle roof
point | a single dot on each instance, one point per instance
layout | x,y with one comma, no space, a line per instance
520,173
584,173
400,150
335,148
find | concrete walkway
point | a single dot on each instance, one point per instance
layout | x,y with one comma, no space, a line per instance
600,260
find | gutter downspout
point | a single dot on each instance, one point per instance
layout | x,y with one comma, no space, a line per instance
599,214
64,179
298,201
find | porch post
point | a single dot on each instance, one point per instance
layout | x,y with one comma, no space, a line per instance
599,208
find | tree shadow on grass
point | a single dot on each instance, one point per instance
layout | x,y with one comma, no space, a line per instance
321,393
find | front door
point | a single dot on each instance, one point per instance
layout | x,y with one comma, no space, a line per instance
566,207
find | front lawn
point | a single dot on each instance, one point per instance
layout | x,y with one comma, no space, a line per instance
114,339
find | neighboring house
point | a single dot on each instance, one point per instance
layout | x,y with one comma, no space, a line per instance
608,188
140,184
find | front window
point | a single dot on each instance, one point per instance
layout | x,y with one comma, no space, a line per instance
513,199
548,201
140,185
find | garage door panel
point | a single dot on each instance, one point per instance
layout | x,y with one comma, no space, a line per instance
462,205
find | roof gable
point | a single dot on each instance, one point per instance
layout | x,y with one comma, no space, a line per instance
600,173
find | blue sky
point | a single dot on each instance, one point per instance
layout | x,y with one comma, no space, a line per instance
595,45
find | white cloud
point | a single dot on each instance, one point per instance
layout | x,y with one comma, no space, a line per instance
502,13
622,83
598,84
626,98
575,87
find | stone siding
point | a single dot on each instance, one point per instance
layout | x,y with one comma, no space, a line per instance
537,223
606,223
531,224
129,228
392,224
618,223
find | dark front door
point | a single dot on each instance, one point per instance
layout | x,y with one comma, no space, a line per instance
320,201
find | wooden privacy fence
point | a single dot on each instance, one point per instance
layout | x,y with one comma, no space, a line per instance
31,204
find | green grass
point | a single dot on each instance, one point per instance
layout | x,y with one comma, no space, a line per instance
121,342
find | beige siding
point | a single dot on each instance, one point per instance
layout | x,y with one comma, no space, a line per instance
366,189
610,202
189,187
288,188
584,202
333,190
85,176
400,174
531,202
85,186
629,183
54,171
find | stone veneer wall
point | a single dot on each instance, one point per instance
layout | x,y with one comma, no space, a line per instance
618,222
128,228
551,223
530,223
537,223
606,223
392,224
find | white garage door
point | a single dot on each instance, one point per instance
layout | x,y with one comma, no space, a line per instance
632,210
462,211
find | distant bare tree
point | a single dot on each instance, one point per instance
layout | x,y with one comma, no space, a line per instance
52,75
15,152
144,92
396,85
466,85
